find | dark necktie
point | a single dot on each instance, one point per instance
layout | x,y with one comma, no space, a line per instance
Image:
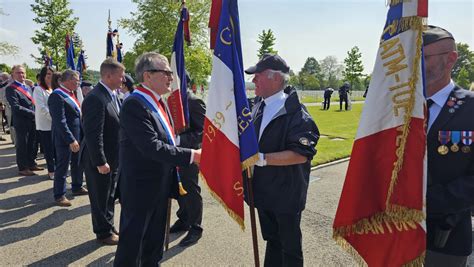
429,103
257,121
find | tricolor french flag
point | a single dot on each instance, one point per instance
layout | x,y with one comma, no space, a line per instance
178,99
229,143
381,212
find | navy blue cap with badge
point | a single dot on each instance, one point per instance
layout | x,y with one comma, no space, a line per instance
269,61
434,34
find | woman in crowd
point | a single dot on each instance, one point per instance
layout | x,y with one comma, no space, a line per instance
43,118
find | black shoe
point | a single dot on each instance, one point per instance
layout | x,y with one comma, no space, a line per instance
179,226
191,238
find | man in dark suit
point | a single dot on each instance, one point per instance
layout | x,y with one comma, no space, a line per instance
148,160
450,192
100,148
65,113
22,105
190,205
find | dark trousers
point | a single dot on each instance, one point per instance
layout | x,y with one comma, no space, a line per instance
25,144
283,235
142,226
190,205
64,158
436,259
102,197
327,102
48,148
341,99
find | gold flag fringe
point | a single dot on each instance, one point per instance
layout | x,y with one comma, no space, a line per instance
347,247
414,23
231,213
396,2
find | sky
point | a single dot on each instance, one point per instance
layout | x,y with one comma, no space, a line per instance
303,28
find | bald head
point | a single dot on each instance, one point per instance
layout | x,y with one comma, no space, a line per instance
440,57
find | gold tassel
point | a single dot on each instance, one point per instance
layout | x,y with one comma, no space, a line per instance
182,192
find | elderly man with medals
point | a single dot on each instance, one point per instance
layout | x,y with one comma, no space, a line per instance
450,163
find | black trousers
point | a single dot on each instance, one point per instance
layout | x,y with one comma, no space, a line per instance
25,144
341,99
142,225
102,198
283,235
64,158
327,102
48,148
190,205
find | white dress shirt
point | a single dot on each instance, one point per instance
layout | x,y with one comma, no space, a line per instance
439,99
272,105
42,116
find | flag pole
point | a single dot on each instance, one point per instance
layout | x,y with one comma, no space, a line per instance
252,218
168,221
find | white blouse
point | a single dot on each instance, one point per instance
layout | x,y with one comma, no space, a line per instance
42,116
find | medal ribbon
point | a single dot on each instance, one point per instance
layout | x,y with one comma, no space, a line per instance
444,137
455,137
467,137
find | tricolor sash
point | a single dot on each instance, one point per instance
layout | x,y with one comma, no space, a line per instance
150,100
24,91
68,98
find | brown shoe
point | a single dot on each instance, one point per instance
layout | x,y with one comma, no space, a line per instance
26,173
63,202
80,192
36,168
112,240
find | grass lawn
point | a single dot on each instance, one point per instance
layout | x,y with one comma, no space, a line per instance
337,129
309,99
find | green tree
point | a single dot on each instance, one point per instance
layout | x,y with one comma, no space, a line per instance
331,72
55,18
463,78
353,67
465,60
310,75
267,40
150,37
5,47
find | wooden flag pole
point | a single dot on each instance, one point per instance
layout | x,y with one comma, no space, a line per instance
168,221
252,218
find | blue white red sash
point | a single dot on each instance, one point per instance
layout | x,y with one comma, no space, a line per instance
68,98
153,103
24,91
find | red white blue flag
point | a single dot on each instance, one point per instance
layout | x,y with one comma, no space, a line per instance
178,99
229,144
70,53
381,213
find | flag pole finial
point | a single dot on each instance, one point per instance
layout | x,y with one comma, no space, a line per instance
110,22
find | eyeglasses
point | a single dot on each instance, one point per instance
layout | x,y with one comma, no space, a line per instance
437,54
166,72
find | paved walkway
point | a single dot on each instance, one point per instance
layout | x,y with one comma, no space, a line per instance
35,232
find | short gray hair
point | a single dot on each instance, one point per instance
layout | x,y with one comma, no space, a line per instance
68,75
148,61
285,76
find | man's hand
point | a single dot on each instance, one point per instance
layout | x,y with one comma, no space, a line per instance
104,169
74,146
197,156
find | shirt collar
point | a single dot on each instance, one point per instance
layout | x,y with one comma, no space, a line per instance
158,97
19,83
111,92
64,87
274,98
442,95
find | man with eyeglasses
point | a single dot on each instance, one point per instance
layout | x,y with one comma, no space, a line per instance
148,159
450,191
65,111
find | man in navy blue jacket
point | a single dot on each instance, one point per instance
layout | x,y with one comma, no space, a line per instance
22,105
65,113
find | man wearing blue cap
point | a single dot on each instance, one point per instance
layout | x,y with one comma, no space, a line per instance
287,138
450,188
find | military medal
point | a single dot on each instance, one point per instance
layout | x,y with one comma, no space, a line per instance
455,139
443,137
466,139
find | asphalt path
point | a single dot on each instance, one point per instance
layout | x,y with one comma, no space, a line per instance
33,231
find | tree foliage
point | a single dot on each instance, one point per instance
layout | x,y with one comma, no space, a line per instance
331,71
266,40
154,24
55,18
463,70
309,78
353,66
